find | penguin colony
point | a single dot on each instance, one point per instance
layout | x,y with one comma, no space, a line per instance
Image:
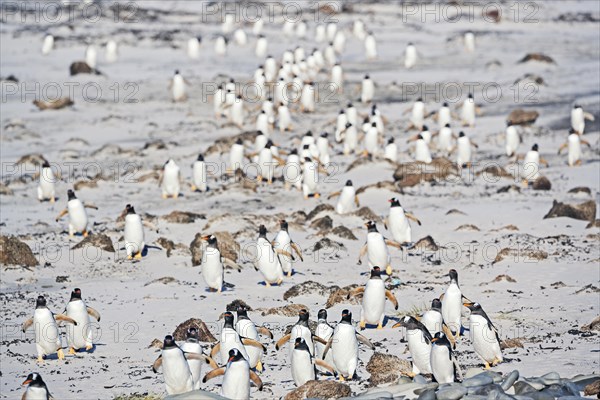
331,351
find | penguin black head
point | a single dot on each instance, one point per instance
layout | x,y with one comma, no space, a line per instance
348,125
192,333
228,317
200,157
391,140
348,182
461,134
420,100
283,225
576,106
374,107
447,125
234,355
367,76
366,120
470,95
308,133
76,294
509,123
262,230
239,97
34,379
300,344
424,129
419,136
535,147
436,304
572,131
269,144
199,39
324,134
306,147
211,239
169,342
45,164
40,302
349,105
441,340
129,209
408,322
342,112
376,273
474,307
242,313
374,124
453,275
394,202
307,159
371,227
409,44
270,99
71,194
346,317
322,314
238,141
445,104
294,151
303,315
176,72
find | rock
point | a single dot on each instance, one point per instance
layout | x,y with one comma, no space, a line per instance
322,224
454,211
53,104
5,190
581,189
427,244
585,211
319,209
581,381
15,252
373,396
493,14
224,144
522,117
386,368
62,279
327,243
593,326
594,224
367,215
592,389
307,287
537,57
343,232
540,396
520,254
468,227
228,247
523,387
165,280
183,217
234,305
35,159
530,78
558,390
413,173
542,183
81,67
98,240
510,380
494,170
291,310
156,343
577,17
204,334
451,393
10,78
511,343
504,277
509,189
478,380
341,296
166,244
486,390
428,394
320,390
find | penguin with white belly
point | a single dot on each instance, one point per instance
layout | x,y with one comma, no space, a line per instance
36,388
578,117
419,344
397,222
292,171
432,318
410,56
344,345
323,148
170,180
78,218
192,345
177,87
452,302
444,366
371,141
531,165
199,182
373,301
231,339
284,242
304,364
47,337
376,248
302,330
193,47
246,328
267,259
236,377
422,152
444,115
444,139
464,153
513,139
80,335
484,336
134,233
468,111
574,142
367,90
310,178
213,264
390,152
236,156
48,44
324,331
45,190
348,200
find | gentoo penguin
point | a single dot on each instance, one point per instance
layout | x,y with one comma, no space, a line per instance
221,45
339,42
270,67
513,139
213,264
348,200
193,47
48,44
80,335
444,115
452,301
344,345
258,26
247,329
419,344
464,153
310,178
371,141
284,118
292,171
266,163
484,336
199,175
351,114
47,337
350,136
111,51
390,151
444,142
178,87
426,134
320,33
267,259
432,318
236,156
410,56
573,143
373,301
324,331
36,388
231,339
444,365
219,104
467,114
370,46
341,125
284,242
192,345
302,330
469,38
422,152
531,164
237,376
228,23
236,112
337,78
307,98
262,45
78,219
46,189
264,123
358,29
578,117
240,37
301,29
376,248
367,90
169,180
176,371
417,114
332,29
90,56
134,233
304,364
397,222
323,148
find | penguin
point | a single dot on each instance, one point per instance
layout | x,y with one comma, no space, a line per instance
377,119
422,152
358,29
444,115
397,222
36,388
80,335
199,175
288,27
348,200
302,330
373,300
376,248
176,371
390,151
299,54
292,171
264,123
134,233
417,116
324,331
319,58
432,318
367,90
213,264
284,242
284,118
452,301
307,98
330,56
270,67
371,141
221,46
578,117
237,375
513,139
236,156
219,101
301,29
228,23
464,153
78,218
370,46
484,336
350,137
332,29
111,51
48,44
344,345
573,143
339,42
231,339
341,125
169,180
240,38
444,365
258,25
320,33
467,114
260,141
351,114
192,345
304,364
469,39
310,178
419,344
281,94
266,163
425,134
47,337
323,148
193,47
445,136
337,78
90,56
178,87
531,164
236,114
247,329
45,190
267,259
410,56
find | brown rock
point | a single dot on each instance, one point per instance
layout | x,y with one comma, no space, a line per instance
412,173
494,170
511,343
581,189
228,247
204,334
504,277
319,209
81,67
157,344
308,287
320,390
455,211
98,240
341,296
15,252
585,211
468,227
344,233
327,243
34,159
522,117
387,368
234,305
594,224
427,243
5,190
165,280
291,310
520,254
542,183
53,104
322,224
367,214
182,217
593,326
224,144
537,57
592,389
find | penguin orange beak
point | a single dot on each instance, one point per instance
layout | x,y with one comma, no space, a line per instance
205,237
230,359
467,304
433,340
397,325
27,382
367,224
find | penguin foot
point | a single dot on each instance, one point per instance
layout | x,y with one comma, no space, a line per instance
279,281
72,350
365,153
487,366
388,270
193,188
84,233
129,256
411,374
362,324
270,182
342,379
317,195
259,178
176,195
379,326
164,196
267,284
61,354
289,273
89,347
40,359
259,366
52,199
138,255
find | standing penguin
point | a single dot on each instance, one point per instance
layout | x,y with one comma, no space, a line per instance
193,47
45,190
267,259
573,143
376,248
513,139
47,337
292,172
370,46
398,224
323,148
484,336
192,345
467,114
410,56
452,301
417,114
373,301
324,331
111,51
310,178
469,39
391,150
247,329
78,219
170,179
432,318
304,364
178,87
348,200
344,345
48,44
371,141
367,90
419,344
231,339
464,153
422,152
237,376
531,164
221,45
284,242
36,388
199,175
302,330
444,365
444,142
307,98
134,233
578,117
80,335
266,163
213,264
236,156
262,46
90,56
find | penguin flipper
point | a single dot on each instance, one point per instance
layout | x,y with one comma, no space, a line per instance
334,194
356,201
449,335
88,205
215,349
93,313
213,374
458,376
256,379
62,214
364,340
253,343
325,365
265,331
282,341
392,298
230,263
588,116
297,250
320,340
157,364
326,349
355,292
411,216
284,253
393,244
64,318
27,324
363,251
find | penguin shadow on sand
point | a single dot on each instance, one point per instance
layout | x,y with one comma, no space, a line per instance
386,320
227,287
